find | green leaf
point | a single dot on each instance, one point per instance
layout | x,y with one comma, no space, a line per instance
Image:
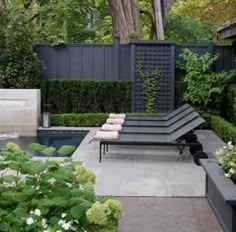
37,147
9,195
48,151
9,179
78,210
66,150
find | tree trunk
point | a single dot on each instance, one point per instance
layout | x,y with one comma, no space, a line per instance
159,32
125,19
166,6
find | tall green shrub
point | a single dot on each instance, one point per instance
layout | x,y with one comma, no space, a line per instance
204,88
86,96
20,67
231,104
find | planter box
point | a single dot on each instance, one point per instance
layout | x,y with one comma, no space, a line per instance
20,111
221,194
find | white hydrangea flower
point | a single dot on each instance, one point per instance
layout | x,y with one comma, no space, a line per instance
232,164
52,180
232,170
229,143
44,223
69,185
66,226
29,221
76,221
63,215
227,175
61,222
219,152
37,212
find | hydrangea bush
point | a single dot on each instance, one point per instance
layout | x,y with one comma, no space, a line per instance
227,159
51,196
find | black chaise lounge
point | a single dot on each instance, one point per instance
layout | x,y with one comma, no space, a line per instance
159,118
160,129
181,138
159,123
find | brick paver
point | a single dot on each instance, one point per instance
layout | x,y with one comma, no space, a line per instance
150,214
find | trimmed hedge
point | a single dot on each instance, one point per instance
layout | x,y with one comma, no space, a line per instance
231,104
86,96
224,129
79,120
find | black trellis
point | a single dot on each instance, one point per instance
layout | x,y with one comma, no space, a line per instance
154,55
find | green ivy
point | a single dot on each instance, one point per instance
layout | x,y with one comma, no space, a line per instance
86,96
20,67
150,82
204,88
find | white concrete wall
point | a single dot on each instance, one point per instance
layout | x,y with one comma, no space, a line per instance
20,111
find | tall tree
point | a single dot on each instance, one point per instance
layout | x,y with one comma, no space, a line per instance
126,18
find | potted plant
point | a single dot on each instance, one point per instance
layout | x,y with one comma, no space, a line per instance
51,196
220,186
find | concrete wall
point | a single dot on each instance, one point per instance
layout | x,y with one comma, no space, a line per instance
20,111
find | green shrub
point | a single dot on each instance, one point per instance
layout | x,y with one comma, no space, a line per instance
204,88
224,129
21,67
79,120
231,104
51,195
180,88
85,96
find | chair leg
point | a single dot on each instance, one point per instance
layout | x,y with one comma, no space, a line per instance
104,149
107,148
100,152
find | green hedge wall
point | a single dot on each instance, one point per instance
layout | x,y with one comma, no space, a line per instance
231,104
79,120
224,129
85,96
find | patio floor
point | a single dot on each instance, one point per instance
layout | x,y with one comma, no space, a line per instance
147,171
161,191
167,215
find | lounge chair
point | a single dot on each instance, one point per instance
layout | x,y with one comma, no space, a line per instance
182,137
159,118
158,127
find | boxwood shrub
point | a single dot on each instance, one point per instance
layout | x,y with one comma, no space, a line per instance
224,129
79,120
231,104
86,96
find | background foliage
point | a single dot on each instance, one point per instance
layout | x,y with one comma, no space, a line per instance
19,66
204,88
86,96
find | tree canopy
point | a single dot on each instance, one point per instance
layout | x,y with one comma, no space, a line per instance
84,21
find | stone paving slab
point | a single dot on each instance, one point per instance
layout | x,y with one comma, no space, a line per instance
146,171
167,215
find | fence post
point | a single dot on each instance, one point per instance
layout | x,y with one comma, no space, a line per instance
116,57
212,53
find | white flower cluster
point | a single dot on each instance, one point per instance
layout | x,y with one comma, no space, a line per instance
227,159
65,225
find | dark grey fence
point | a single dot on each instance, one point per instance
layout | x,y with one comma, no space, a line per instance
85,62
118,62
